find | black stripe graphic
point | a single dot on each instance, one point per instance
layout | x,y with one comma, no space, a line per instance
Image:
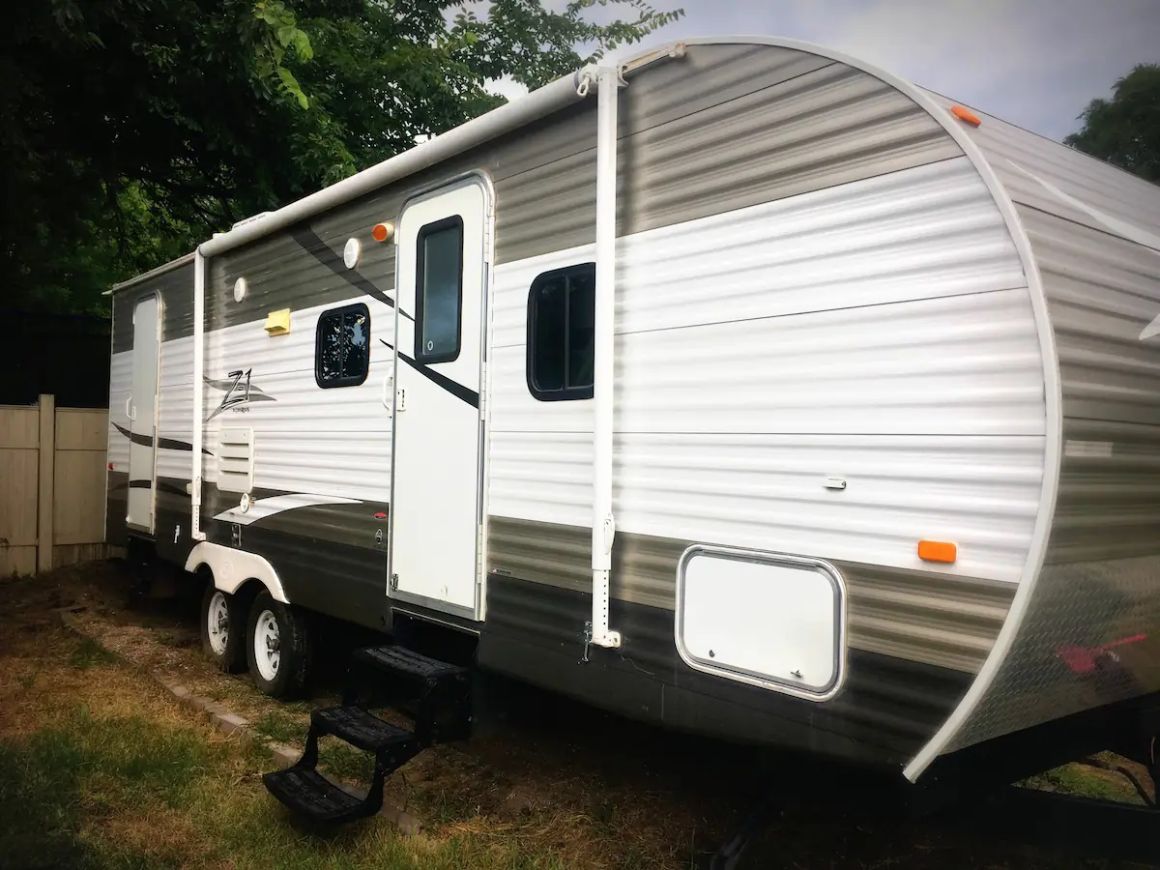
453,387
162,443
321,251
144,483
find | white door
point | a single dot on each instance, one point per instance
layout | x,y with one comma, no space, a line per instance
436,506
142,412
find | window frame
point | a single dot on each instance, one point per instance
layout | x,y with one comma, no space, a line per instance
345,380
566,393
421,356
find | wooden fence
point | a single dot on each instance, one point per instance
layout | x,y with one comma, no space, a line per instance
52,486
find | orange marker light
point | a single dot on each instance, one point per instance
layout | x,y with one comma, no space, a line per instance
382,232
937,551
966,116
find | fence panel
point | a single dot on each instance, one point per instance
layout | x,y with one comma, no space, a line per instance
52,513
19,463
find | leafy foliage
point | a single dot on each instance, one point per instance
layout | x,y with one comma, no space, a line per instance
132,129
1125,130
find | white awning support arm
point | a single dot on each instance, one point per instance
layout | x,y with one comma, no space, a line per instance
195,474
609,82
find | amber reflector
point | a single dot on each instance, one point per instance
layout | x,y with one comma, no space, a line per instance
381,232
966,116
937,551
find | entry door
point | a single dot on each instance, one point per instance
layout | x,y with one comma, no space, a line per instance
436,505
142,412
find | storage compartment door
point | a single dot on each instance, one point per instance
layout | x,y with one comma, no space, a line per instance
768,619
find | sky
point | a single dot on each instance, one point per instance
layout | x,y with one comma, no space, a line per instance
1036,63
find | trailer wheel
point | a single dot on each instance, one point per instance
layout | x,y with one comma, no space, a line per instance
223,633
278,648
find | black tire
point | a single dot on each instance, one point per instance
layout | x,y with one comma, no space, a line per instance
230,655
288,675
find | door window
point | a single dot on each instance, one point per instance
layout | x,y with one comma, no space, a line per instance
439,291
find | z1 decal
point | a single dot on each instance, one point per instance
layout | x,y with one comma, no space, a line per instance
239,391
234,396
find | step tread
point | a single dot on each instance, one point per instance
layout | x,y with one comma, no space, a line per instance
361,729
309,793
400,659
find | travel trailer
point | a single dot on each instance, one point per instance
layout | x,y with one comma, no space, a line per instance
740,387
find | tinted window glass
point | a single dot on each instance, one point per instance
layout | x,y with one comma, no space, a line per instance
547,371
561,309
342,346
438,291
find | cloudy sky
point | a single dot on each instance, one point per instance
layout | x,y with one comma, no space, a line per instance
1036,63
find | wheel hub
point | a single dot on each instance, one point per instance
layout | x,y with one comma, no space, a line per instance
218,623
267,645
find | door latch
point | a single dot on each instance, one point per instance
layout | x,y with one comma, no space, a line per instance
401,400
394,582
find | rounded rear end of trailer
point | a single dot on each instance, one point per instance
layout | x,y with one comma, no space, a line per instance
834,395
1077,665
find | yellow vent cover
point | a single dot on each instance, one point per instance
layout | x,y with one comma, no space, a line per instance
278,322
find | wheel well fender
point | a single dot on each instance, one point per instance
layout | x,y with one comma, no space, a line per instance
234,571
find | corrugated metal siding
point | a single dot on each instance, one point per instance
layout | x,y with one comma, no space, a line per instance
727,127
306,439
815,131
921,616
733,405
767,492
1085,221
887,708
926,617
1101,292
1104,187
175,399
175,288
120,388
823,125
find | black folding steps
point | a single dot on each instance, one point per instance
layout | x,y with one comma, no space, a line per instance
440,696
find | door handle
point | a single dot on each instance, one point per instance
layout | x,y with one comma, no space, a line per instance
388,385
129,409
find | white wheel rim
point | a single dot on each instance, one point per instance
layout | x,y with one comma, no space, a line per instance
218,623
267,652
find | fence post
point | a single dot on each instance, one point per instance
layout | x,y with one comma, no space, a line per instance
46,461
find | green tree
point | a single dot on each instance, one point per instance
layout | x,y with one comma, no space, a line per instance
1125,130
132,129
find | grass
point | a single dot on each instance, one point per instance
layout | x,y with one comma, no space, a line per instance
1087,781
282,726
99,769
88,653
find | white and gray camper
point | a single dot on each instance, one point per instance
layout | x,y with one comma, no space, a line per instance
741,387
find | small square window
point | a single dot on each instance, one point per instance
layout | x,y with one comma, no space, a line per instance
342,346
561,333
439,291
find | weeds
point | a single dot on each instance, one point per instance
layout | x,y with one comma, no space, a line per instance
88,654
